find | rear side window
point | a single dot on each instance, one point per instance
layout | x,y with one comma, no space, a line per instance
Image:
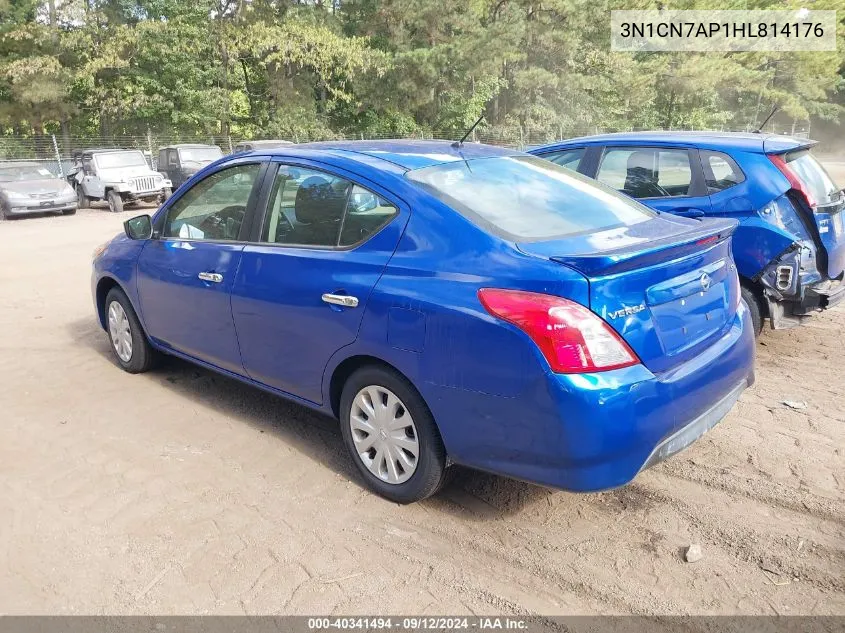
314,208
569,158
525,198
645,172
813,175
720,171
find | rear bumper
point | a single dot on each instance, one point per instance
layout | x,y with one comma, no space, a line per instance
591,432
822,295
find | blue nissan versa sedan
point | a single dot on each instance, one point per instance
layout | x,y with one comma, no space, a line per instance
790,244
448,303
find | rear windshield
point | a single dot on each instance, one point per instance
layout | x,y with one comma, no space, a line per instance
525,198
813,175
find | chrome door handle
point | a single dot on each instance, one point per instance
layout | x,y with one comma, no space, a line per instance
341,300
213,277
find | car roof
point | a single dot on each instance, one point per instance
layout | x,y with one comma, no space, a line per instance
406,154
266,141
187,146
743,141
106,150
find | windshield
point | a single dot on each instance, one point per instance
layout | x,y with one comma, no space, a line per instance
120,159
813,175
200,154
524,198
12,173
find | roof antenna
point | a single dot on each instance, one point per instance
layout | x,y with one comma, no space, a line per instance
458,144
763,124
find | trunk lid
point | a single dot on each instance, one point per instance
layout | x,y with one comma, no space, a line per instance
668,286
824,201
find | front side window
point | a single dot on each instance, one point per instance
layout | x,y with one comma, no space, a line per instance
569,158
720,171
525,198
112,160
313,208
643,172
214,208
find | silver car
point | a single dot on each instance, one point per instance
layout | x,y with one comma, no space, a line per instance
28,187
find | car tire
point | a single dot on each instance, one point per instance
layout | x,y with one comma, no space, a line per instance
420,433
115,202
82,200
141,356
69,212
754,309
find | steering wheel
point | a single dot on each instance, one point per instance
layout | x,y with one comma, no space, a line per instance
283,228
224,224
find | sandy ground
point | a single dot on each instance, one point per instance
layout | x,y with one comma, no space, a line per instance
180,491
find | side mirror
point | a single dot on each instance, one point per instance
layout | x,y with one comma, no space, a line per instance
139,228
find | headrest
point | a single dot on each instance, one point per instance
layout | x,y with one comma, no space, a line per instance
317,201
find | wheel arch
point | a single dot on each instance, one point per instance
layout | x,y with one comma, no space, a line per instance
756,288
350,365
104,286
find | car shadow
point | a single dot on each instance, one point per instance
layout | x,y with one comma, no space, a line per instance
468,494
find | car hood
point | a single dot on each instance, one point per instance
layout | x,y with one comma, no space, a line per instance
119,173
42,185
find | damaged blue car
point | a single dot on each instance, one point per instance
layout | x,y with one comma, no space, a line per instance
790,244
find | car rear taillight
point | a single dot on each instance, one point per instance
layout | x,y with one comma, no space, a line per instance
571,338
794,181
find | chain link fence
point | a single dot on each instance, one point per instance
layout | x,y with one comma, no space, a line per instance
55,152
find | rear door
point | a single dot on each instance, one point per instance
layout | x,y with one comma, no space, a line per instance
186,273
664,178
824,198
302,286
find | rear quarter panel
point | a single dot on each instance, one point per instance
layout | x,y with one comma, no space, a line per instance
755,242
425,319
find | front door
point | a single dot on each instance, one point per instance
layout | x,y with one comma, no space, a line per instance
664,178
301,292
185,274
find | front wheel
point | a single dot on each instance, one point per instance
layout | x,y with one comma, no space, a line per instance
391,435
81,199
69,212
115,202
129,344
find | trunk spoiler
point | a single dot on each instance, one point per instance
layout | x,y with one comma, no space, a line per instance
782,145
651,252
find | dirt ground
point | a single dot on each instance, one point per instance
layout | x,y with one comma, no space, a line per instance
182,492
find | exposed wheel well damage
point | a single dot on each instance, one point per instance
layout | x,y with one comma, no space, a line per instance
343,371
756,288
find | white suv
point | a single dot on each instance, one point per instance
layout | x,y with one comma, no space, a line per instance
118,176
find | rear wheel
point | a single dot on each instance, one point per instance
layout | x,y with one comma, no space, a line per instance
129,343
81,199
391,435
754,309
115,202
